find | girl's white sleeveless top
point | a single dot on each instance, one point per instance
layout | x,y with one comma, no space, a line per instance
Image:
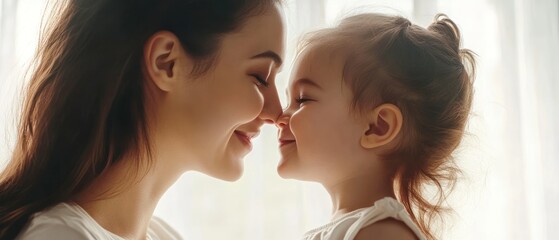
348,225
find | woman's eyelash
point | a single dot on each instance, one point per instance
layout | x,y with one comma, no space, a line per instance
261,81
301,100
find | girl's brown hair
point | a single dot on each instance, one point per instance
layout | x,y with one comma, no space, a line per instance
84,105
430,78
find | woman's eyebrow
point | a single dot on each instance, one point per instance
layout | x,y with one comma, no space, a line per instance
271,55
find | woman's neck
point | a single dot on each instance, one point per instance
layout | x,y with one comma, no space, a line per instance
359,191
123,203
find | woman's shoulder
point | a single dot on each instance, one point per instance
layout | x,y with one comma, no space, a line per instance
62,221
159,229
52,230
69,221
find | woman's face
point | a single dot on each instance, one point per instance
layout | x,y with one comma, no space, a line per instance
207,125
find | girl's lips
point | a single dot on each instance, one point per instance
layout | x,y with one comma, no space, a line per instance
283,142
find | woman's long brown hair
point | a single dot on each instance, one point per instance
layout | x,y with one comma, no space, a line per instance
84,105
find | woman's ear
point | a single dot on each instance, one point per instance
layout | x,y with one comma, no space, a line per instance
383,125
161,53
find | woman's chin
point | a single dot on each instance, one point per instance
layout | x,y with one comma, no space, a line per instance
232,177
229,173
230,166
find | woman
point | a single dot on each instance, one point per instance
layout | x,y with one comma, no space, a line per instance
126,96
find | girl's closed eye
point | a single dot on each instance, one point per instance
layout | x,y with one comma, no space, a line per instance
302,100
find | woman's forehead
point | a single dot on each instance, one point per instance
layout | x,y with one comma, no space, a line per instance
262,32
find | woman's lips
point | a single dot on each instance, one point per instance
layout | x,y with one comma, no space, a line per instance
283,142
245,137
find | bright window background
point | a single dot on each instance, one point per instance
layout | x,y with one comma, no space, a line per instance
509,156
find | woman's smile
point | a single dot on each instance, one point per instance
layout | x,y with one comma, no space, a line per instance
246,137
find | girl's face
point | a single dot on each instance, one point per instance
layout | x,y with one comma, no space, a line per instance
318,134
207,125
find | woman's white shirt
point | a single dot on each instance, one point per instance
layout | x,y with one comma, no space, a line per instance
68,221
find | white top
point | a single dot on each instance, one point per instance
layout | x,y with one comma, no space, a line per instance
68,221
348,225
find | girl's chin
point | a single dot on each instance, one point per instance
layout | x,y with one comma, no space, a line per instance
285,171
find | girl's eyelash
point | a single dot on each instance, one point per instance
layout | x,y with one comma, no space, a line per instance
301,100
261,81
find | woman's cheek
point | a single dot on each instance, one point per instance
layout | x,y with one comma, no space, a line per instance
249,105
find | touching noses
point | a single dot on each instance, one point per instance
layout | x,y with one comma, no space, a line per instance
283,120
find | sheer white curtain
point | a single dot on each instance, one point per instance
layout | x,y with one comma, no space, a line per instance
509,156
20,22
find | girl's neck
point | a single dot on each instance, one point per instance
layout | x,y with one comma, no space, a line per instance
124,206
359,191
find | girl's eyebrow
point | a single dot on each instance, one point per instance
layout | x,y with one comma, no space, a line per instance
306,81
302,81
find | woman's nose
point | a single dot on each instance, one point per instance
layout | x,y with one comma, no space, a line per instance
272,106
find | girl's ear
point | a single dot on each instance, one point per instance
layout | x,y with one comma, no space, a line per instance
383,125
162,51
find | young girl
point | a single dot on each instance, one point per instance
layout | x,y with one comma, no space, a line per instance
377,106
126,96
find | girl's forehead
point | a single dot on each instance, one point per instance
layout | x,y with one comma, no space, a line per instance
318,61
318,68
320,56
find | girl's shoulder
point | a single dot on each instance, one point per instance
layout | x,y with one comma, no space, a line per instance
386,212
387,229
386,219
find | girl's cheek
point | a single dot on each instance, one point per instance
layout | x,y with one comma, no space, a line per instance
296,123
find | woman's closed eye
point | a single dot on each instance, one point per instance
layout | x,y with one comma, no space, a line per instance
260,81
